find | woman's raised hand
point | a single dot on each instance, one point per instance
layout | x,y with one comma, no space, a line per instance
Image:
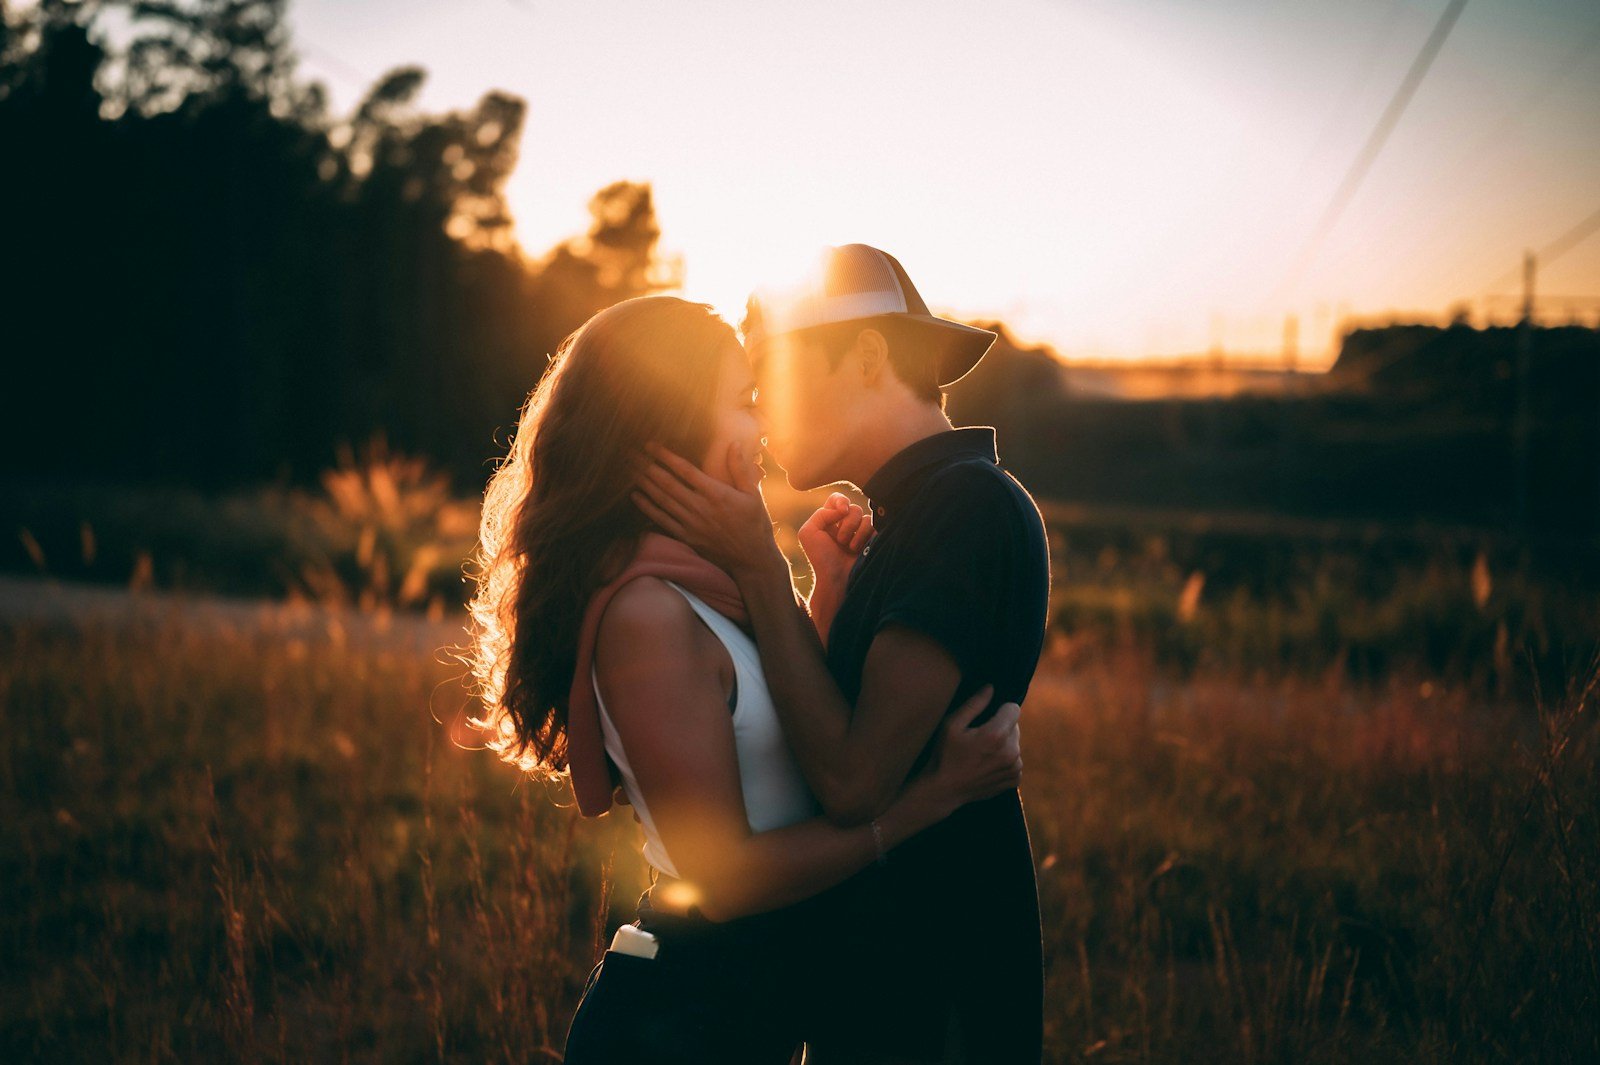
968,763
727,523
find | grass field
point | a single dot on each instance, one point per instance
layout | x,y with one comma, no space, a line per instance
221,842
1207,592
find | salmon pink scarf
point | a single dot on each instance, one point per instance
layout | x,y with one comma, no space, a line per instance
658,556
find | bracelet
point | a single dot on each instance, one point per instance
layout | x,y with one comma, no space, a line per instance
877,841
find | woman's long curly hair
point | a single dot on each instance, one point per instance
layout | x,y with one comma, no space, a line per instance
557,520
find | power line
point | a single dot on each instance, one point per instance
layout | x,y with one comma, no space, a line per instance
1569,240
1359,76
1555,249
1462,162
1378,137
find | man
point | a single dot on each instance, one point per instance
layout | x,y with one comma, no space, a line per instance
933,954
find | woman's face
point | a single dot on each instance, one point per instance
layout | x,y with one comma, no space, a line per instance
737,417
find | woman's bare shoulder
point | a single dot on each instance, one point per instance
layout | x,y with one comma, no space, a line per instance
654,623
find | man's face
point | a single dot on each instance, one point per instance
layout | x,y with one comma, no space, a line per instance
811,408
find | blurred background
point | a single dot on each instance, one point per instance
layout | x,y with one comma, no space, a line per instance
1299,308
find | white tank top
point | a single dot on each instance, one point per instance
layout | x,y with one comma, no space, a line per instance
775,792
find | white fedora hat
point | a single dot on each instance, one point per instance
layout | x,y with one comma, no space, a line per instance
854,282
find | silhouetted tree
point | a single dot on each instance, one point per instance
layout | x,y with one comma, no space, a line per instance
614,261
209,49
210,278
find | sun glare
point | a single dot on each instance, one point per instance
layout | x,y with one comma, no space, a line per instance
1118,180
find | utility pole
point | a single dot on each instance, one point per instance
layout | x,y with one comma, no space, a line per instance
1288,410
1524,402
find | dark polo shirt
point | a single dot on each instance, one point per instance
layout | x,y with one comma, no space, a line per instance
952,921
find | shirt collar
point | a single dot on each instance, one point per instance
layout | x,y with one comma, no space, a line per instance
897,480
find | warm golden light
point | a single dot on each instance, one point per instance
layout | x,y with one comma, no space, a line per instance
1120,181
675,896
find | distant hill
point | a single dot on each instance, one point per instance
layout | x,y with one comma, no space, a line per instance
1191,377
1466,367
1412,423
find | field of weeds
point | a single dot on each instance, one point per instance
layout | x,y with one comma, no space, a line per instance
1202,592
233,841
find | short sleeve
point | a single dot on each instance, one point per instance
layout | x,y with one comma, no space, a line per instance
949,575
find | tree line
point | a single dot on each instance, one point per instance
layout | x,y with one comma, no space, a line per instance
208,277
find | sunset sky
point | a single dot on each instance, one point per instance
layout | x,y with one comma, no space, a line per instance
1117,178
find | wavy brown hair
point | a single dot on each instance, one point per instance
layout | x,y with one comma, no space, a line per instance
557,520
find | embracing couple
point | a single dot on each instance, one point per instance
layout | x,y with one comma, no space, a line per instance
827,786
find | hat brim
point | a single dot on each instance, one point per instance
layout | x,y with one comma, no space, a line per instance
959,347
956,348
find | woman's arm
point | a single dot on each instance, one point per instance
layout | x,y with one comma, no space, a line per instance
659,671
855,757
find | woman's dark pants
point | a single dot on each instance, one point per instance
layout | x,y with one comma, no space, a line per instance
714,993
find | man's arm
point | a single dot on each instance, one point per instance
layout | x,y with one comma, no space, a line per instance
832,539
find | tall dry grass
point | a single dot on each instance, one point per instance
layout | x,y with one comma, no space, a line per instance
229,842
224,844
384,533
1294,870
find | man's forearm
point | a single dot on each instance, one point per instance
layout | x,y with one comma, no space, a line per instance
822,606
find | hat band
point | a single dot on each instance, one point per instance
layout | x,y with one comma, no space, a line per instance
829,309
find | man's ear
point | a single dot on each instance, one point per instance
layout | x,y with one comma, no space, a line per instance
871,353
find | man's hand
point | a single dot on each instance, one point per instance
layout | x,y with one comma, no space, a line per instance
974,763
832,538
727,523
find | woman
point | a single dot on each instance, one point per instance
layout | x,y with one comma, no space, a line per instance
614,653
